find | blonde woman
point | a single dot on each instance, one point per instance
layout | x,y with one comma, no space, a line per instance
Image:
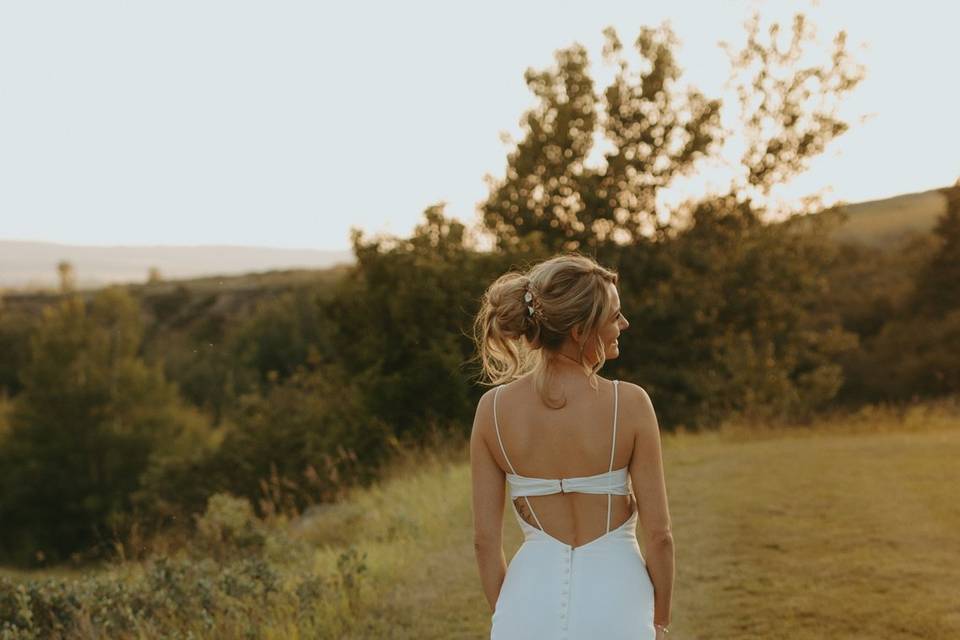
581,457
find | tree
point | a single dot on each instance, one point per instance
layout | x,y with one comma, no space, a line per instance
728,317
282,333
938,283
15,328
67,276
89,418
788,111
303,439
403,316
658,132
915,352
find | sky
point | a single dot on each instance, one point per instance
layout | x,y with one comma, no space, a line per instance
285,124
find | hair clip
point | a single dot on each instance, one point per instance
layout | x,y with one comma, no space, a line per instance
528,297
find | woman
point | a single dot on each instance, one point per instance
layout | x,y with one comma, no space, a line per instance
566,441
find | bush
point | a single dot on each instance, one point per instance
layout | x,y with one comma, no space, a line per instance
90,420
227,527
183,598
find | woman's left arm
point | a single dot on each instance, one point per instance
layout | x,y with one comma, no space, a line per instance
488,495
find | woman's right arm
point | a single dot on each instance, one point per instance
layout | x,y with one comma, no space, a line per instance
489,490
649,487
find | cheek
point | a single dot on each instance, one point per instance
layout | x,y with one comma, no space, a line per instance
609,335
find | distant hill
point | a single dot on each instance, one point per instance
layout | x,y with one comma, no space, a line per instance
884,223
28,265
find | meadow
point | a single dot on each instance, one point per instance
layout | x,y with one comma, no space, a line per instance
847,528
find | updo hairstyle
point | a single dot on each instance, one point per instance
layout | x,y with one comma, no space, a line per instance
525,318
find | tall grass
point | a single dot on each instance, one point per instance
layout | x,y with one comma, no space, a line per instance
844,528
316,575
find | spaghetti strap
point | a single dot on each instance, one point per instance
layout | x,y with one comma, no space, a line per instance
613,446
496,425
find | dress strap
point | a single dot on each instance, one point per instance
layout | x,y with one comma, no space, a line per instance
496,425
613,446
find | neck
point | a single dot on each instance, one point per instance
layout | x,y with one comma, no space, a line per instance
563,359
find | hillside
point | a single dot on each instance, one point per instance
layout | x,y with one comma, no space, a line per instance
33,265
28,266
887,222
191,300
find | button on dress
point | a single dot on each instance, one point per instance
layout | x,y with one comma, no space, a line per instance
553,591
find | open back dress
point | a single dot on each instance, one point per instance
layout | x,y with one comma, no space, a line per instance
553,591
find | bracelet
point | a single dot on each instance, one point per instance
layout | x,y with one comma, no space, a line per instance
661,627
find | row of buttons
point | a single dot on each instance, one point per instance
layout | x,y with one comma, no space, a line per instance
565,591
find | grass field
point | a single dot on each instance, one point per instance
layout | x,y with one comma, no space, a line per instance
849,529
849,533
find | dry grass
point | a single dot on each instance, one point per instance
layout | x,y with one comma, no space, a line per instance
841,536
848,528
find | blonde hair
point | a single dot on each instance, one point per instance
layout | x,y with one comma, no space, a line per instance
565,292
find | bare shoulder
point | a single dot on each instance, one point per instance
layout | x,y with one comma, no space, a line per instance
638,409
633,393
483,419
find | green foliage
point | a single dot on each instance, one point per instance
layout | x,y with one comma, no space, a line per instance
868,285
228,526
15,327
207,373
175,483
657,130
403,323
789,111
199,598
239,576
303,440
938,284
551,198
216,361
167,306
909,358
85,427
904,304
5,406
284,333
727,318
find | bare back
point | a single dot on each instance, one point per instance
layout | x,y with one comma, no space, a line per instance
576,440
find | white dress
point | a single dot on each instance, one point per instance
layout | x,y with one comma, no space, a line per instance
552,591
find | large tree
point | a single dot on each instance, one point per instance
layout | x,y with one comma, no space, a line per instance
89,420
403,317
788,105
938,283
549,195
657,130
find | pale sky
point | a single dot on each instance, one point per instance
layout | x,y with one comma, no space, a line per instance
280,123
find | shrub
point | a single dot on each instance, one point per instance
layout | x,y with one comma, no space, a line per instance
227,527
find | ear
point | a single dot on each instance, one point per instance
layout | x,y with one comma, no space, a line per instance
576,334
